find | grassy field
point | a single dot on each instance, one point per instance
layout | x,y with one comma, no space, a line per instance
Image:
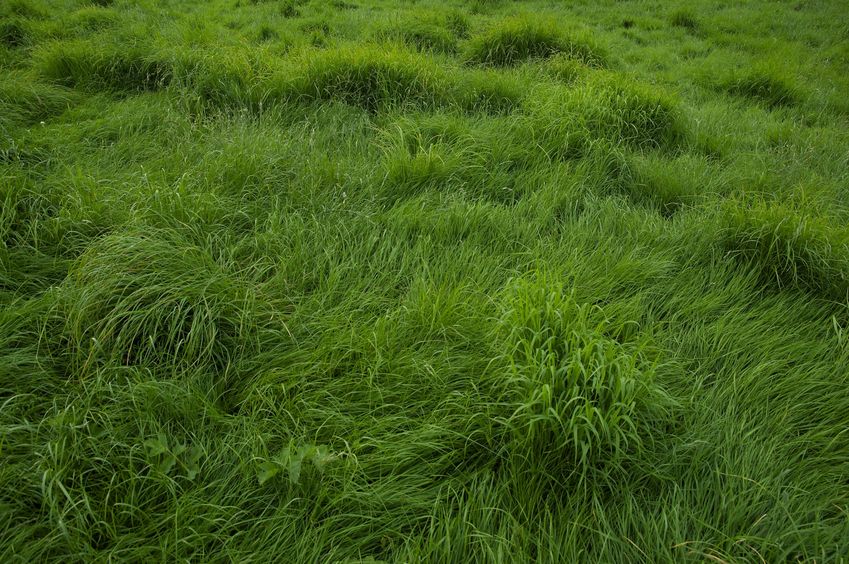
424,281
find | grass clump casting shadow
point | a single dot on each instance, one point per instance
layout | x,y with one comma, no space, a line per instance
765,85
375,78
155,299
519,39
582,387
788,247
104,67
14,33
685,19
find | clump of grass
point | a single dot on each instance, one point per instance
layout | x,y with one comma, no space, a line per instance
565,69
668,184
764,84
457,23
27,101
156,299
608,107
487,91
515,40
110,67
90,19
582,387
422,35
789,247
14,33
684,19
267,33
24,9
289,9
375,78
371,78
629,111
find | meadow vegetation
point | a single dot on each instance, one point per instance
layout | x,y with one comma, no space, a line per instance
428,281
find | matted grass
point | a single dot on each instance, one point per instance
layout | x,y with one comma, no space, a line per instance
482,281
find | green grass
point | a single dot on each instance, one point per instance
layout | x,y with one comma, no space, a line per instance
476,281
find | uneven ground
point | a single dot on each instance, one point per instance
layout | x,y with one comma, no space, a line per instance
444,281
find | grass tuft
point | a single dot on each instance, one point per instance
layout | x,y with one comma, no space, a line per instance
766,85
154,299
685,19
93,66
14,33
581,387
789,247
515,40
422,35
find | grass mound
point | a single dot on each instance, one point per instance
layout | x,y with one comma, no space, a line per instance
104,67
582,387
26,101
155,299
764,85
375,78
422,35
606,107
518,39
372,78
789,247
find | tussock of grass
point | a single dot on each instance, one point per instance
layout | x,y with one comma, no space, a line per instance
422,35
519,39
29,102
93,66
25,9
14,33
372,78
789,247
155,299
609,108
581,387
377,78
762,84
685,19
565,69
90,19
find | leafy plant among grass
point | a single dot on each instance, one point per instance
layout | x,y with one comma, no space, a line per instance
581,388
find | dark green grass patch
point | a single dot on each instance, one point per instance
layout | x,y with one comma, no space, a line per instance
685,19
93,66
763,85
515,40
14,33
155,299
789,247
